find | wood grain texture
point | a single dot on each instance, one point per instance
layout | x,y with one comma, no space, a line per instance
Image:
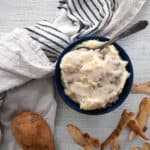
20,13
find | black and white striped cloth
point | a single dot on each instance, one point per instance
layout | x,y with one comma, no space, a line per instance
53,41
87,17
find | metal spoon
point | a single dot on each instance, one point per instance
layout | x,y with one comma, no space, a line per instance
131,30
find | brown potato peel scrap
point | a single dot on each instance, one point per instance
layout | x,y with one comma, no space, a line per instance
95,142
138,127
127,118
86,136
135,148
146,146
134,125
83,139
141,88
77,135
87,147
115,144
142,116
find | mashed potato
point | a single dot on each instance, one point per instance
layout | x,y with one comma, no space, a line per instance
92,78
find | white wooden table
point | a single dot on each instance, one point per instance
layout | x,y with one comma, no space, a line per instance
21,13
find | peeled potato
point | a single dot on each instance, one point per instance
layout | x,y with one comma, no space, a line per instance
32,132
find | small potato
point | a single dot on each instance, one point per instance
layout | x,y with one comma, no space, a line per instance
32,132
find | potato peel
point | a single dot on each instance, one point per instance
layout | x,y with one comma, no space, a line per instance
135,148
82,139
142,116
77,135
146,146
95,142
115,144
125,118
141,88
86,136
87,147
92,140
134,125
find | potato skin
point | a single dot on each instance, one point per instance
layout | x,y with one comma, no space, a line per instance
31,131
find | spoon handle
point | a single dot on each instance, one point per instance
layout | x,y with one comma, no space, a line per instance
133,29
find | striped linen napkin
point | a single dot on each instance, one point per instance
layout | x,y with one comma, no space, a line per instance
31,53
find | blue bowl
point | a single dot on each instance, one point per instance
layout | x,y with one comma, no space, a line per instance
75,106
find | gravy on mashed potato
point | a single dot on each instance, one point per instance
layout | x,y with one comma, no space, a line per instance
93,78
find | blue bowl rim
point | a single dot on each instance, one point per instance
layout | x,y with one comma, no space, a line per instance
75,106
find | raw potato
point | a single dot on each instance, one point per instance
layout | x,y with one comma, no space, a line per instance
141,88
146,146
142,116
32,132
